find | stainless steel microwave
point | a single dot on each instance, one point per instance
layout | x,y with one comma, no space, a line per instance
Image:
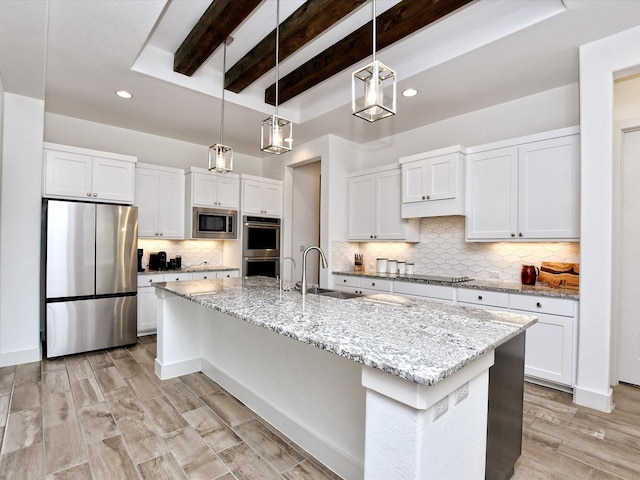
214,224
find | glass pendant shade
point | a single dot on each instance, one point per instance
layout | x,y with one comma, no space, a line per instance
373,92
220,158
276,135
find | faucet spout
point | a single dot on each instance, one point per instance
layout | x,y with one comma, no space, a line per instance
323,261
282,264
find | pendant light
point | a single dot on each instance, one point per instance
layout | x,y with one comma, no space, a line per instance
373,88
276,132
220,155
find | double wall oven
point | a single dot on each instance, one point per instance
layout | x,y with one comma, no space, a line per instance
260,246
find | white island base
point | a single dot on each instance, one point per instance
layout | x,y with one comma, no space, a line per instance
359,421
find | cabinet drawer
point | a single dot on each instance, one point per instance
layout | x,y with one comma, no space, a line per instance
483,297
346,281
376,284
441,292
228,274
532,303
146,280
176,277
203,275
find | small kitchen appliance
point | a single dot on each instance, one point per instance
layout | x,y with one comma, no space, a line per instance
261,246
140,254
162,260
214,223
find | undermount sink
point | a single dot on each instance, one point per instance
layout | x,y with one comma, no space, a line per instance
325,292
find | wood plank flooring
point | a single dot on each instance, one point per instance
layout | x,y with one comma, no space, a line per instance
105,415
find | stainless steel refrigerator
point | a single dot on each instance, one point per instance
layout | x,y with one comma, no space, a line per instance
89,262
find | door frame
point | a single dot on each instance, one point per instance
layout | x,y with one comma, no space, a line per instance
619,129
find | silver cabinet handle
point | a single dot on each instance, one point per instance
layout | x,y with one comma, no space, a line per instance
95,194
88,194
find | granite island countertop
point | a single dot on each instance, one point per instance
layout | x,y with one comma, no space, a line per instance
492,285
418,340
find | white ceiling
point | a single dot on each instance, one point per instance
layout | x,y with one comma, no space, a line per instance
76,53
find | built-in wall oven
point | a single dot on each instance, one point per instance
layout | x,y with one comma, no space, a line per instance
260,246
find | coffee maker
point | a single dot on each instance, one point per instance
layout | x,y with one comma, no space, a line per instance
162,260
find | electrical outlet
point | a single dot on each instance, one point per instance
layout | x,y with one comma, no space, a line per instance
462,393
494,274
441,407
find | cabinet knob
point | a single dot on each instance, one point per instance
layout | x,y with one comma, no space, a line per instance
345,280
161,234
156,234
205,277
95,194
373,284
513,234
428,197
479,297
520,234
423,197
539,305
150,280
177,279
88,194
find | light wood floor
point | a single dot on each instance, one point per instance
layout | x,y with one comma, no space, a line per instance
105,415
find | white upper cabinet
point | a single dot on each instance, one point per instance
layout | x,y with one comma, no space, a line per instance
529,191
374,207
209,189
261,196
433,183
79,173
160,200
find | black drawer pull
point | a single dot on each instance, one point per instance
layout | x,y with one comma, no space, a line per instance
539,305
345,280
479,297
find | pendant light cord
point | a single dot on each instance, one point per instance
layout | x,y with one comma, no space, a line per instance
277,51
374,30
224,77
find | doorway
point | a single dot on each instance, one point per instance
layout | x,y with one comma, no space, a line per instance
629,345
305,221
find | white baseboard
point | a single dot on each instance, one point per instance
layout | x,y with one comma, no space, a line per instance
21,356
166,371
595,400
343,464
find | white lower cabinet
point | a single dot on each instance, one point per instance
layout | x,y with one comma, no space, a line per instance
439,293
550,347
147,314
362,285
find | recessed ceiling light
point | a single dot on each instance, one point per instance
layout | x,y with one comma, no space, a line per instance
410,92
123,94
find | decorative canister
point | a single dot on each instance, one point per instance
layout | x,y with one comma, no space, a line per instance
410,268
381,265
529,274
392,267
402,268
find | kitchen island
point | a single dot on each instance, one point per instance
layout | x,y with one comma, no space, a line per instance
375,387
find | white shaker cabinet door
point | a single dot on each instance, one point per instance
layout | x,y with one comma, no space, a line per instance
170,204
67,174
549,189
389,223
492,194
361,204
113,180
146,199
204,189
228,192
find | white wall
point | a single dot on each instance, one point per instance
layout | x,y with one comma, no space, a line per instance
549,110
20,207
598,63
148,148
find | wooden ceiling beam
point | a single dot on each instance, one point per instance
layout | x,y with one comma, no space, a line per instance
399,21
302,26
217,23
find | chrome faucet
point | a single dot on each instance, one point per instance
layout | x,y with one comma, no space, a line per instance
304,266
282,263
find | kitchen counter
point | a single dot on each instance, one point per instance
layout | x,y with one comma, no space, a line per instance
196,268
424,341
374,387
492,285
